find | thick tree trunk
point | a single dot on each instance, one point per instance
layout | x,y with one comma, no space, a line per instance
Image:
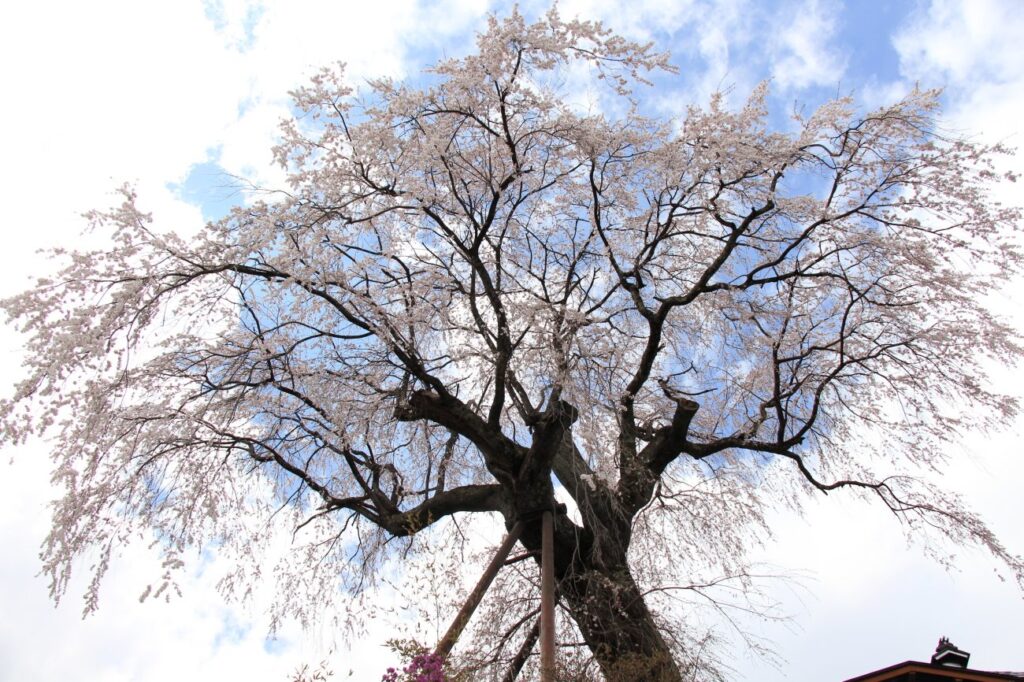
591,569
618,627
608,607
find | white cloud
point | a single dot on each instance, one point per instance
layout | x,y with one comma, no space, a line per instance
964,41
973,49
733,40
99,94
643,19
802,40
290,41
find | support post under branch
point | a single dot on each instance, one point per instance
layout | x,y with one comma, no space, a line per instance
547,599
444,647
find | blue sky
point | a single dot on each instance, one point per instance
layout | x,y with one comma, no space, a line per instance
182,98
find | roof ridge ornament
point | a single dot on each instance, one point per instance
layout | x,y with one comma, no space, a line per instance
948,655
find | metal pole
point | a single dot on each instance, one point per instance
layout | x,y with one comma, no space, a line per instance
547,599
444,647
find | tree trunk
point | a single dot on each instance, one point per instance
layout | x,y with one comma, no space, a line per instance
608,607
618,627
591,568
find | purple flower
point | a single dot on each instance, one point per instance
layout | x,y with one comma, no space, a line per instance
424,667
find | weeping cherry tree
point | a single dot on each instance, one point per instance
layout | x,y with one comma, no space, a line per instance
474,295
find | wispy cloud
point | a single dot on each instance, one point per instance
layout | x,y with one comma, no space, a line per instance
802,43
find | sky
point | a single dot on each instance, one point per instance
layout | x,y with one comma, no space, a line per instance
181,97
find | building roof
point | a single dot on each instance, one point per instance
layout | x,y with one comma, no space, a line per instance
948,663
929,672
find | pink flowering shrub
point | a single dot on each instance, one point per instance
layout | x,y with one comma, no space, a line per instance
424,667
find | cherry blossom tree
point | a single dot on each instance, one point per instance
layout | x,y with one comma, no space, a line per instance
473,296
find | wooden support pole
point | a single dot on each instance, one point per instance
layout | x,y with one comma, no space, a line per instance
444,647
519,661
547,599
